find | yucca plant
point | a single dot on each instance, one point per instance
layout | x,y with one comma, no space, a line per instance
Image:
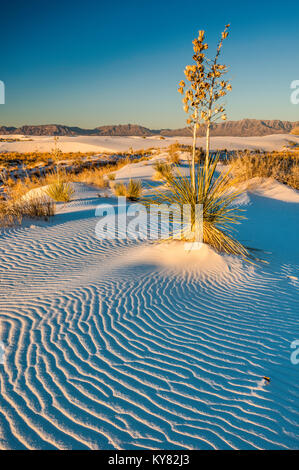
217,196
60,191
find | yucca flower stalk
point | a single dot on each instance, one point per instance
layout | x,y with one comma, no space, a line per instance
206,87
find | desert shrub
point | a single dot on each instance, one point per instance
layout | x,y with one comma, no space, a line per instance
282,167
132,190
111,176
60,191
163,171
173,152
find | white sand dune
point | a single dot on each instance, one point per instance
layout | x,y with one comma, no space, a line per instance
115,144
126,345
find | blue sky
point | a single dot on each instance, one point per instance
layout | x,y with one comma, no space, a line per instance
90,63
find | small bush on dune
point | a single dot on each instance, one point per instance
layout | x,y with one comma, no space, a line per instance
132,190
173,152
163,171
111,176
60,191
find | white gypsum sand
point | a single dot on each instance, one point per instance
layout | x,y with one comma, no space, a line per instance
121,144
127,345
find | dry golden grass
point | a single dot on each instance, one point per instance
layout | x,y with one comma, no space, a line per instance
132,190
163,171
14,211
97,177
173,152
284,167
10,160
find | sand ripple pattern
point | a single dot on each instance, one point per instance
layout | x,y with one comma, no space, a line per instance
103,354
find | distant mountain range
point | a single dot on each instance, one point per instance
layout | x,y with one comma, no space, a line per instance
243,128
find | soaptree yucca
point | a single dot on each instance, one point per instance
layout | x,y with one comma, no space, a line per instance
204,88
220,210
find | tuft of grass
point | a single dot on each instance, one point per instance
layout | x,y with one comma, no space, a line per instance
60,191
111,176
132,190
217,196
163,171
120,189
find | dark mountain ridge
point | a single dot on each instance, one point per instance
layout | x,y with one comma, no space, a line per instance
243,128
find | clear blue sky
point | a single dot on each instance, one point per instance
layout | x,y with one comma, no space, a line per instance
94,62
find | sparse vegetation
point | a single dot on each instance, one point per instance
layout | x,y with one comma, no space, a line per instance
60,191
163,171
295,131
10,160
132,190
282,167
14,211
173,152
93,177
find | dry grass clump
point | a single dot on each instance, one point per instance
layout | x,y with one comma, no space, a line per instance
163,171
282,167
14,211
173,152
93,177
60,191
132,190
